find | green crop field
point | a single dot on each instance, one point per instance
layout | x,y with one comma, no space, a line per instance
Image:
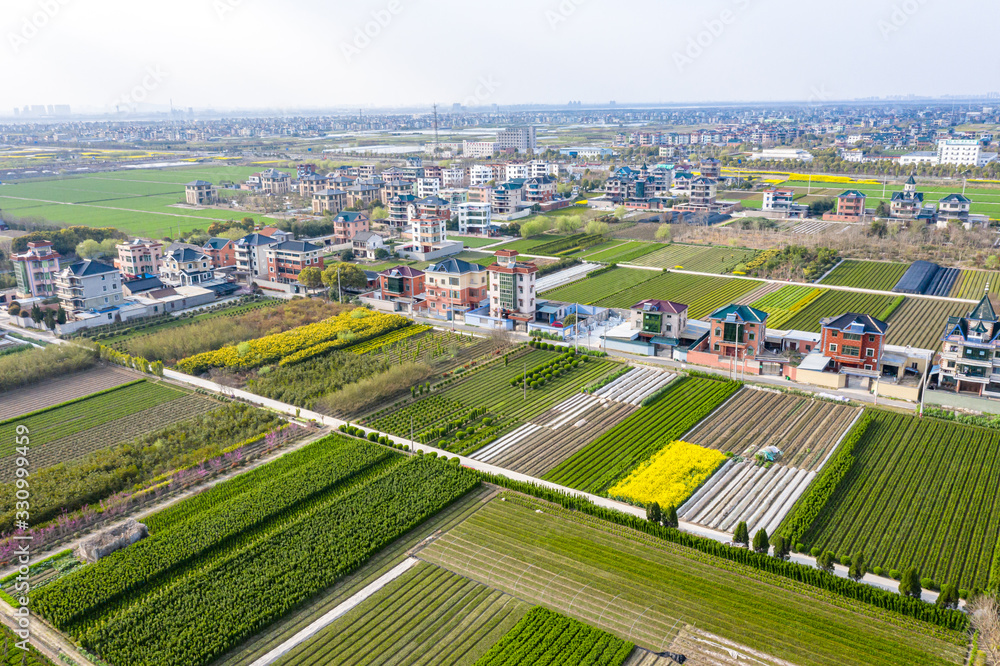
648,591
544,637
920,322
445,418
299,526
971,284
698,258
703,295
785,303
609,283
474,241
529,244
426,616
923,493
609,458
87,412
879,275
140,202
623,253
835,302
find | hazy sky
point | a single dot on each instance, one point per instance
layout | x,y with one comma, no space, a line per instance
313,53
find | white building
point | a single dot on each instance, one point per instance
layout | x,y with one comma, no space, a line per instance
521,139
963,152
539,168
427,187
512,288
89,285
515,170
479,149
452,177
186,267
480,174
919,157
251,257
474,218
780,154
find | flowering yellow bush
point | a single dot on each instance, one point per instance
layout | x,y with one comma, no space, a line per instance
670,476
761,259
341,331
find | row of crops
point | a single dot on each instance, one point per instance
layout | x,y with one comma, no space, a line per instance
545,637
698,258
623,253
879,275
613,455
609,283
782,305
703,295
247,552
922,493
835,302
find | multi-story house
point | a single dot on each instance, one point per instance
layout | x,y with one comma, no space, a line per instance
854,342
286,260
702,193
909,203
480,174
480,194
426,231
363,195
970,351
778,201
200,193
222,252
479,149
35,270
332,201
250,255
312,183
274,182
659,322
539,168
347,224
737,331
401,282
475,218
539,189
512,288
452,177
89,285
427,187
366,244
186,267
401,209
710,168
963,152
954,207
514,170
850,207
432,206
139,257
395,188
508,198
519,139
454,286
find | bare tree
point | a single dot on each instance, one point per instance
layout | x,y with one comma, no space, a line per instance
985,617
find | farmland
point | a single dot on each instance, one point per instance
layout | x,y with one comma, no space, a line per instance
984,200
474,411
143,203
669,477
62,389
921,493
607,284
614,579
782,305
100,420
553,436
426,616
878,275
834,303
543,636
971,284
13,656
622,253
920,322
697,258
337,503
613,455
804,430
703,295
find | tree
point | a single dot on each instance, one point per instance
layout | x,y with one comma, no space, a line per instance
50,319
14,308
653,512
948,597
36,313
760,542
381,254
670,517
597,227
621,212
984,616
663,233
742,534
379,213
61,316
882,210
311,277
89,249
879,228
857,570
825,561
781,547
351,277
909,586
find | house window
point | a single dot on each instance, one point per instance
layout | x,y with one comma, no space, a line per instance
871,338
869,352
851,351
750,336
833,334
716,348
718,332
833,348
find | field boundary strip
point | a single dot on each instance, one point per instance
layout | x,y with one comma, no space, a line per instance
337,612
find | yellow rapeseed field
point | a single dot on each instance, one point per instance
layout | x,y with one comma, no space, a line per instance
670,476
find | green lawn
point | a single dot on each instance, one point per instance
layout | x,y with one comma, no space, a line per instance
647,591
